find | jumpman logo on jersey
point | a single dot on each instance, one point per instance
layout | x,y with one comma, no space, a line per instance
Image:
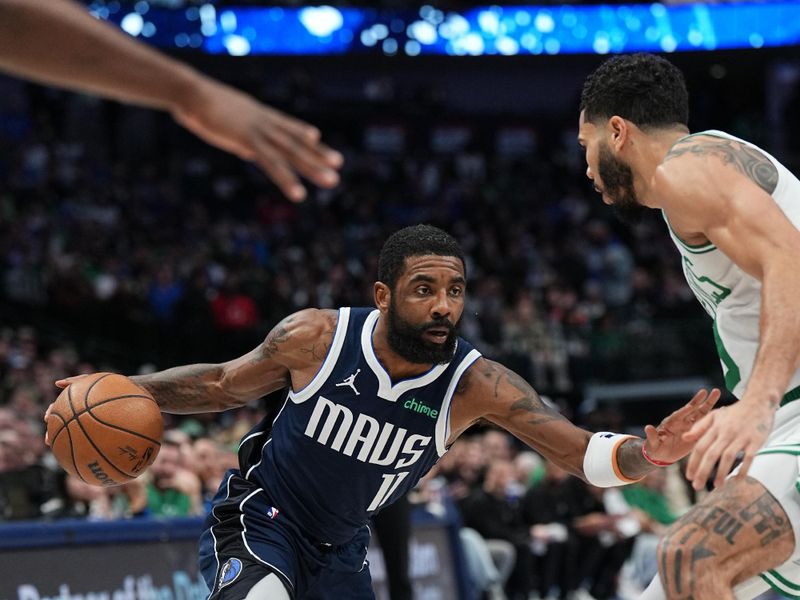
351,381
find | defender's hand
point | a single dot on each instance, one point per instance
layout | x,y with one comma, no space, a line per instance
281,145
667,443
722,435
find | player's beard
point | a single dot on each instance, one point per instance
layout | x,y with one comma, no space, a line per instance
405,339
617,178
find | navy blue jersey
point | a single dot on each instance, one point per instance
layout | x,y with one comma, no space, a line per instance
352,441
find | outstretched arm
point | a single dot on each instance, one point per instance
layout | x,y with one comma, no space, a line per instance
722,188
284,356
492,391
57,42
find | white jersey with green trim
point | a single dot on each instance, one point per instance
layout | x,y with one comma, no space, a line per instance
731,296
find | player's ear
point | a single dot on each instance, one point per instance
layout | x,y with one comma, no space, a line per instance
618,131
382,296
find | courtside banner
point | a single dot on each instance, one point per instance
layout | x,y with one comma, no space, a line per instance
157,560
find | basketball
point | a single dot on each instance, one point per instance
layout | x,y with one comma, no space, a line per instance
105,429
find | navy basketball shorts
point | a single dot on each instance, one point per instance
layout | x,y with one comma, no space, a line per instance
246,539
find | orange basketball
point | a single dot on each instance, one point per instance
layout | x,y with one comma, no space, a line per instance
105,429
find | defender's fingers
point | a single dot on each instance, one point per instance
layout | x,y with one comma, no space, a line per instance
702,447
699,429
710,402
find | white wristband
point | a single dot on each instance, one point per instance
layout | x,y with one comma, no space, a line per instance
600,461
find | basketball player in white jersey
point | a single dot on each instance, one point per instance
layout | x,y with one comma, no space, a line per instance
733,212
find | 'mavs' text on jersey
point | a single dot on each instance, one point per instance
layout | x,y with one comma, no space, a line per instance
336,426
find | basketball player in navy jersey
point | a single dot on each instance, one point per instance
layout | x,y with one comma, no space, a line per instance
377,395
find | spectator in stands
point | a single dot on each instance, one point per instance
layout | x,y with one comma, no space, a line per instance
463,467
529,468
652,508
489,562
494,516
173,491
84,500
209,467
606,529
547,509
496,446
26,484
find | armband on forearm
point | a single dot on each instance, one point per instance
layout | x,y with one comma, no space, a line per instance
600,465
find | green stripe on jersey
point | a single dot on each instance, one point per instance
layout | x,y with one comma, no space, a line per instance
791,395
780,583
693,248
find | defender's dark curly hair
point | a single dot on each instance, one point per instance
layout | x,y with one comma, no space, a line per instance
642,88
415,240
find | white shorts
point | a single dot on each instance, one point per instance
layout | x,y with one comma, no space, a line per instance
777,467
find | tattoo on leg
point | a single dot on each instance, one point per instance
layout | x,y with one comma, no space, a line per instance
708,531
768,524
678,562
722,523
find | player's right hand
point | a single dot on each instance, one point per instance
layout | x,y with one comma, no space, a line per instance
282,146
725,434
63,383
60,383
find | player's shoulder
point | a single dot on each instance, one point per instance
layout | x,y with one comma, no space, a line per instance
480,375
690,176
690,153
711,168
710,153
312,322
304,326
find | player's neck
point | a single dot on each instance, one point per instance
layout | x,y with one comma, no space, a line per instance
652,148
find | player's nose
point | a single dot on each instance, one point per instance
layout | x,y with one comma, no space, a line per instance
589,173
441,305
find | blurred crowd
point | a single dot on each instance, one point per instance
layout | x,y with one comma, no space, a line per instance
123,237
194,454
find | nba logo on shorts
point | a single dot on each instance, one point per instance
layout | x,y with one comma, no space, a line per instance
272,512
230,571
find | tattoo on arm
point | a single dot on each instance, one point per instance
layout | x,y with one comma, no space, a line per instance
631,461
745,159
183,389
538,413
270,347
464,382
318,350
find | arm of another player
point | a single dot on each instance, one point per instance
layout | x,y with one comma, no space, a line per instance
57,42
722,189
291,348
492,391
